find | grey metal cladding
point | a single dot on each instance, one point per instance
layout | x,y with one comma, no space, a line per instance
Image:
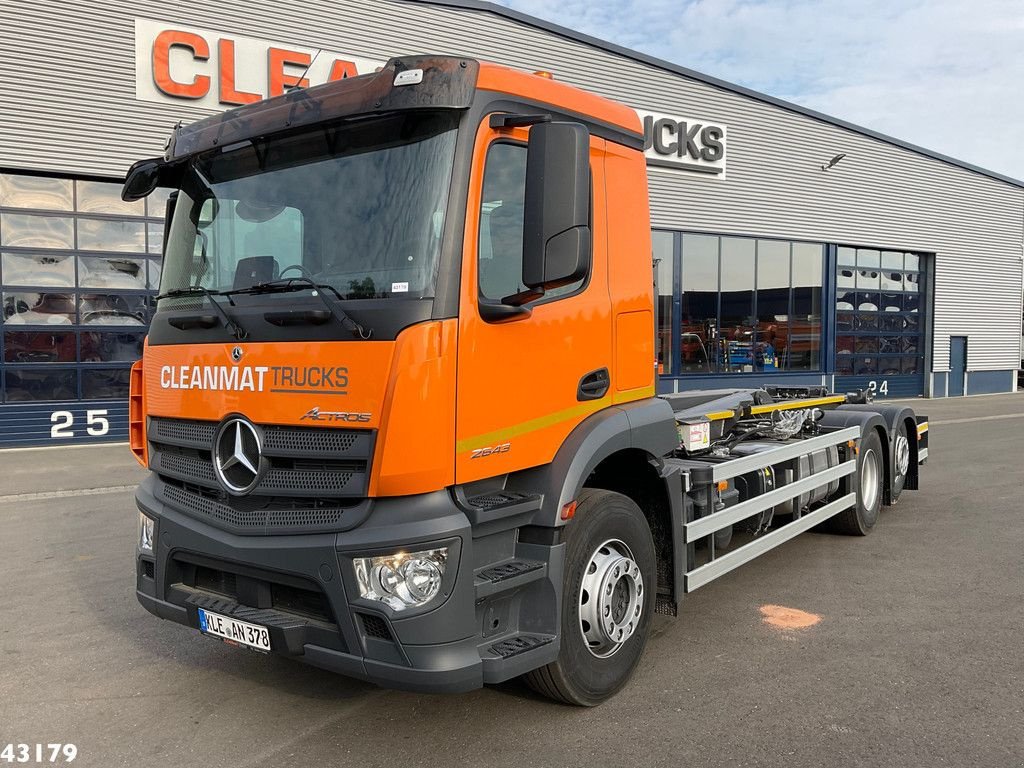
72,109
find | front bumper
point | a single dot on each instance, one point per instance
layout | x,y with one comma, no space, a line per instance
302,588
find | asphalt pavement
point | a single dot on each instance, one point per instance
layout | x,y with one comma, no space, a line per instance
917,660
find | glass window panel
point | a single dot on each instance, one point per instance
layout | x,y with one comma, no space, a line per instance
867,322
889,366
868,301
771,350
911,302
40,384
105,384
107,272
662,246
864,365
868,257
891,322
31,308
911,323
892,281
844,321
911,282
154,273
866,345
803,352
912,365
912,262
113,309
846,300
844,364
891,302
846,278
845,344
111,346
910,344
869,278
154,238
35,192
43,269
699,321
846,257
737,321
890,345
106,235
27,231
500,253
156,203
39,346
105,197
892,260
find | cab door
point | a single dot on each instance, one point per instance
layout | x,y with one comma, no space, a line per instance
525,383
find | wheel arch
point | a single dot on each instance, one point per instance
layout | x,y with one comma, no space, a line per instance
892,415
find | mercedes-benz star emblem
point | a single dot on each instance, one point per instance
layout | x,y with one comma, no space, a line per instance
238,456
236,354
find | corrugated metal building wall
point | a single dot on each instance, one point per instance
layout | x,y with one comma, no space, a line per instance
82,117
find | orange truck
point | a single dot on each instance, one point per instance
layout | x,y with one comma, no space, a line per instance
398,398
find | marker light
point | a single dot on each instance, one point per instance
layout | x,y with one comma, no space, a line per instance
545,74
404,580
147,532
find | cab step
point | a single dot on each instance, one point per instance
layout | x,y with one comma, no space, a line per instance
517,644
508,576
500,510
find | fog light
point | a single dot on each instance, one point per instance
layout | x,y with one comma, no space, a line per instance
147,532
404,580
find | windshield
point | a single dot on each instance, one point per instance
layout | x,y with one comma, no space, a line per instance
357,205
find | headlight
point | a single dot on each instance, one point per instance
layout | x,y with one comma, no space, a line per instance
147,531
404,580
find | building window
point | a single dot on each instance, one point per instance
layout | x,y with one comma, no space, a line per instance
663,253
878,313
78,270
749,305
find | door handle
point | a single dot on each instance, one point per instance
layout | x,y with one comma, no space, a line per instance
594,385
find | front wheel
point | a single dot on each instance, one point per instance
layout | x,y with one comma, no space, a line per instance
607,601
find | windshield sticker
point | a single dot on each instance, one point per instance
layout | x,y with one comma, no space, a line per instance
399,287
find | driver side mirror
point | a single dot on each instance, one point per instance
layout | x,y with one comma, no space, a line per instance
556,211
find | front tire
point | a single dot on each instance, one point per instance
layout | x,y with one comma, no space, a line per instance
608,596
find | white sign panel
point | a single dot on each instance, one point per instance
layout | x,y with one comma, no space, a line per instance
219,70
684,143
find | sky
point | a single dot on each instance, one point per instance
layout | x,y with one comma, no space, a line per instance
947,75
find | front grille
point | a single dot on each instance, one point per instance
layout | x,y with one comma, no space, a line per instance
316,475
240,516
212,580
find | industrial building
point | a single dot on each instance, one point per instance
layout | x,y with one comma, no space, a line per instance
791,247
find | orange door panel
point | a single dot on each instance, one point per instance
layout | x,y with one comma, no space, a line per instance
518,381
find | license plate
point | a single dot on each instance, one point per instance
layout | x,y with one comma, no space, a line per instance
234,631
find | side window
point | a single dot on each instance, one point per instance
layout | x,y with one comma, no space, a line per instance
500,250
500,247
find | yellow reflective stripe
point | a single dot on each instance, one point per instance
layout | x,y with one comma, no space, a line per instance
630,395
503,435
789,405
541,422
718,415
922,427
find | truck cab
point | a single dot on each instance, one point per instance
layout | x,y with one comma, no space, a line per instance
398,395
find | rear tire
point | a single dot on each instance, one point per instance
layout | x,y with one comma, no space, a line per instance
900,460
608,596
870,480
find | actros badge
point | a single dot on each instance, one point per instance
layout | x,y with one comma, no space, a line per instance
315,414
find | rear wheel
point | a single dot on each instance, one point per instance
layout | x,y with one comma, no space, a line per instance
869,479
607,601
900,460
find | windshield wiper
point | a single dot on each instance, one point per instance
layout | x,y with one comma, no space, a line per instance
286,284
230,325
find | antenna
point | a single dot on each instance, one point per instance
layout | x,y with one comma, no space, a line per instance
305,72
